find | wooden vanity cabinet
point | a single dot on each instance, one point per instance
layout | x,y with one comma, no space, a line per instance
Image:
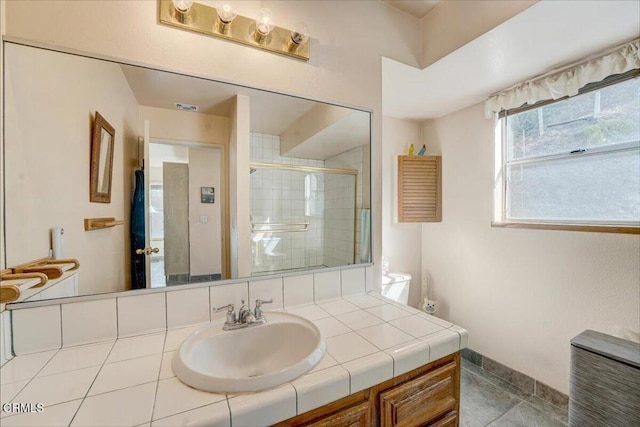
426,396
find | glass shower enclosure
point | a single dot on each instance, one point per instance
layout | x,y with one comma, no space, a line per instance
301,217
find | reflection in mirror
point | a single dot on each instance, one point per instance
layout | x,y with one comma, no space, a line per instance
230,181
178,172
103,172
101,160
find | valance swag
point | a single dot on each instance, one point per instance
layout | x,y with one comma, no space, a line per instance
568,80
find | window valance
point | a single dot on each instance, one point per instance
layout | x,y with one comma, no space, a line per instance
568,80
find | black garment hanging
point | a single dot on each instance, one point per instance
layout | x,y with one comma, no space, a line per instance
138,262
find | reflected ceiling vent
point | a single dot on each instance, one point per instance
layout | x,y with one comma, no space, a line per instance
186,107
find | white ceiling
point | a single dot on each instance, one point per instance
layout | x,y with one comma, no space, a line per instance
270,113
417,8
349,132
541,38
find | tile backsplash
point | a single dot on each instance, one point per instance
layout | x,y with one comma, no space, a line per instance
43,322
87,320
5,336
326,285
141,313
188,307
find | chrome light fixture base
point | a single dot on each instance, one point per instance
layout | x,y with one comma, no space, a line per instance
204,20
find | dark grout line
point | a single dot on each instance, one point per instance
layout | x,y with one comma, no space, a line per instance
503,414
491,378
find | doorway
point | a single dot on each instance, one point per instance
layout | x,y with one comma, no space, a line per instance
184,213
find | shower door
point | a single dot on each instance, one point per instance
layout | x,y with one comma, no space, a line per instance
301,217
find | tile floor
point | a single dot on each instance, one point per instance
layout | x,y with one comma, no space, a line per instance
487,400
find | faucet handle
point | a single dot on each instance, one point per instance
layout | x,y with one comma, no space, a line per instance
258,310
231,315
229,308
259,302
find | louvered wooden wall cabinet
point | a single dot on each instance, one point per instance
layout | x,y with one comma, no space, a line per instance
419,189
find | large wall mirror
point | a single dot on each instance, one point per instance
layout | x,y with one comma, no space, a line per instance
212,181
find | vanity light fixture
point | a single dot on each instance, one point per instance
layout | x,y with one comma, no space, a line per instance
264,25
224,22
299,36
226,14
182,10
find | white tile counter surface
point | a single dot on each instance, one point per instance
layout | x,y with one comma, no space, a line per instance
129,381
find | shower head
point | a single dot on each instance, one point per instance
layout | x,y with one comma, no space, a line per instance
252,170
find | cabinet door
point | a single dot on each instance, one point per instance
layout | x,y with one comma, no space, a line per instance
419,189
449,420
354,416
420,401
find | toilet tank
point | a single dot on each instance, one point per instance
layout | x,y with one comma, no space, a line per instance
396,286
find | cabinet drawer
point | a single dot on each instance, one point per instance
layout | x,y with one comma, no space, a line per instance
421,400
355,416
449,420
351,411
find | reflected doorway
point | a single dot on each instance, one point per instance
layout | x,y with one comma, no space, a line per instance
185,213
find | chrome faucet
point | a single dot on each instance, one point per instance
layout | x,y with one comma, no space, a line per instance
245,317
258,314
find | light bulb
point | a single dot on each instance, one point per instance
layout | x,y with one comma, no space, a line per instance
182,6
226,13
264,21
300,33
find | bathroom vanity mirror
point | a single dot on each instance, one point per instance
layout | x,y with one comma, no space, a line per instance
230,181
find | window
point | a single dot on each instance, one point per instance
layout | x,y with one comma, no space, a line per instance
574,161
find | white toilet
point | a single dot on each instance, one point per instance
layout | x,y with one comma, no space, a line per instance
396,286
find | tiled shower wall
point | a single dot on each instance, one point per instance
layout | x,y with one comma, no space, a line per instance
278,196
339,210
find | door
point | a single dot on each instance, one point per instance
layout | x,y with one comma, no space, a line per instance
149,248
175,178
184,212
147,233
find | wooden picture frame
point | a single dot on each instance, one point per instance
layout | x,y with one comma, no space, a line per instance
207,195
101,173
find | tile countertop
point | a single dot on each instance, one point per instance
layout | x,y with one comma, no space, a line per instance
129,381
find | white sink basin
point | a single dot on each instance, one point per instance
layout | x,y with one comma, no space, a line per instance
249,359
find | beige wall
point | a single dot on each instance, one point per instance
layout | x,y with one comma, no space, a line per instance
452,24
47,175
345,65
317,119
3,24
239,205
522,294
184,126
402,243
205,237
